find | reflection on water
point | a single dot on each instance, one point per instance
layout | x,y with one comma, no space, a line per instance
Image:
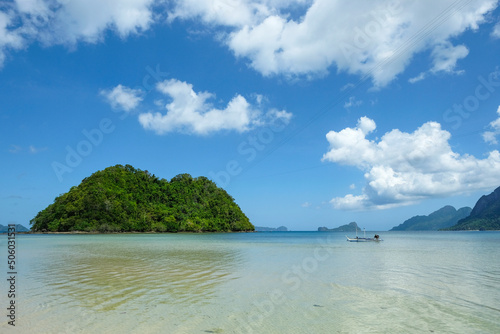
104,275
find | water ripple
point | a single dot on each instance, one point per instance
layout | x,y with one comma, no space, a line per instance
106,277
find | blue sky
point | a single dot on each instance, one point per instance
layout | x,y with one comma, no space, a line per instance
309,113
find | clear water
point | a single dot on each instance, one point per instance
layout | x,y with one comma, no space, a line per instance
295,282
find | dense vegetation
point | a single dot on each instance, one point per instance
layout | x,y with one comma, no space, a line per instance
124,199
445,217
476,224
351,227
484,216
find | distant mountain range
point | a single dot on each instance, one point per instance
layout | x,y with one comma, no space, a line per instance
19,228
351,227
271,229
440,219
484,216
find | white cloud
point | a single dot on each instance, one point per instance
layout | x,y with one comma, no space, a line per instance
68,22
378,41
274,114
9,38
491,136
223,12
123,97
418,78
79,20
445,57
402,168
277,37
232,13
86,20
191,112
496,31
352,102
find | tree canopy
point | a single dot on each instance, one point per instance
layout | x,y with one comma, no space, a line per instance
484,216
126,199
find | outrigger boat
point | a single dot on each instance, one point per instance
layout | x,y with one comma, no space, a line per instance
364,239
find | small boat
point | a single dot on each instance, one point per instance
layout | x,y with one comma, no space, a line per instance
364,239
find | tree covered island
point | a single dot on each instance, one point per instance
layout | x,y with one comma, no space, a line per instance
484,216
126,199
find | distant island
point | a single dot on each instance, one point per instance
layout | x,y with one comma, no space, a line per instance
126,199
271,229
19,228
443,218
484,216
351,227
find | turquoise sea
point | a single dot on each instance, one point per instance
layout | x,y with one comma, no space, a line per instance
274,282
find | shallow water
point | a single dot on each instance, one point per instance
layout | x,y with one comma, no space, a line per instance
277,282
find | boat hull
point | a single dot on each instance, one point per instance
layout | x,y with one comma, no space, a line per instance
363,239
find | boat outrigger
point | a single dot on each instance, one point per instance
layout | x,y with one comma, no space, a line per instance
364,239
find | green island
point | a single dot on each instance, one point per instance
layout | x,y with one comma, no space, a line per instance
443,218
126,199
485,216
351,227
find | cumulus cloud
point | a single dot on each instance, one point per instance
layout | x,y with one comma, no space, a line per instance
191,112
123,97
69,22
79,20
221,12
378,41
277,37
234,13
491,136
402,168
